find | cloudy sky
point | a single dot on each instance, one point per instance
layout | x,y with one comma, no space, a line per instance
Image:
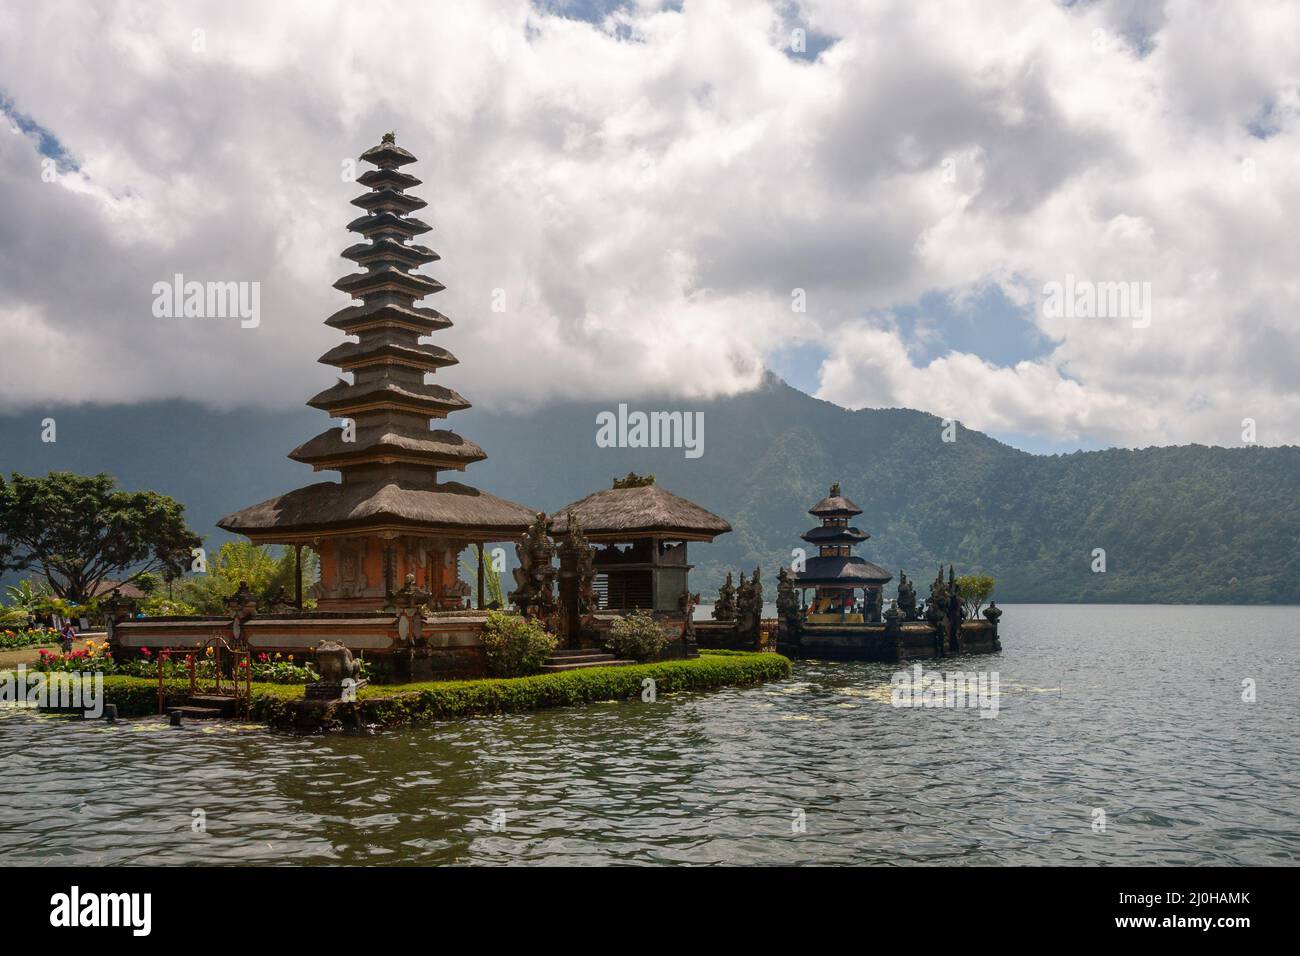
668,197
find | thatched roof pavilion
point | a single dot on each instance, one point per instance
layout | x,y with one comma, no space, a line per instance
390,516
619,513
655,525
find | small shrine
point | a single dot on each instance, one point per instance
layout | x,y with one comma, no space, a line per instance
640,532
838,624
835,573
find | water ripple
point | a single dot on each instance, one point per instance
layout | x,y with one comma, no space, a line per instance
1133,713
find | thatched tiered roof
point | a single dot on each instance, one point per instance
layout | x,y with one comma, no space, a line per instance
620,514
836,565
835,534
450,507
389,458
848,572
835,505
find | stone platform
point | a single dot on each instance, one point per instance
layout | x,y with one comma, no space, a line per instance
876,642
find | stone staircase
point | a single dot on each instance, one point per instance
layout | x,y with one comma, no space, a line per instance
572,659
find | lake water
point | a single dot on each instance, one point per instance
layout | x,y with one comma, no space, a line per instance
1131,712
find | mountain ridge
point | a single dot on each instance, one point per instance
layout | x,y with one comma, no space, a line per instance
1179,524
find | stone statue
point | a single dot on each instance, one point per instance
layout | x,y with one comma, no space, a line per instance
787,600
725,608
992,613
956,606
117,609
906,602
335,664
243,603
587,599
744,596
535,577
936,605
577,581
409,603
749,607
871,610
281,601
686,602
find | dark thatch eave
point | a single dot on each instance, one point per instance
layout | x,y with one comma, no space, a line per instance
388,278
387,221
321,508
389,347
834,534
387,155
834,506
387,199
411,316
628,512
385,250
849,572
386,441
345,395
379,178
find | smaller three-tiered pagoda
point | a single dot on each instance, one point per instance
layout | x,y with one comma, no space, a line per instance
836,574
839,624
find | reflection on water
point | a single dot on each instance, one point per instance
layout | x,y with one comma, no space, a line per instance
1135,711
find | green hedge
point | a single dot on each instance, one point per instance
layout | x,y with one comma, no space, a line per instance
394,704
442,700
138,696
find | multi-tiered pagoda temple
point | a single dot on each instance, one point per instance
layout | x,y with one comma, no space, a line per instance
390,516
836,574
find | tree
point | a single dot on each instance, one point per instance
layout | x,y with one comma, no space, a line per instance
241,561
26,596
24,602
974,590
81,530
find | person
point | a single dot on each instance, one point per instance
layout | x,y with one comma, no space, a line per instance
69,636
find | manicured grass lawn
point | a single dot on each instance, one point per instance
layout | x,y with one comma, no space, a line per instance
23,655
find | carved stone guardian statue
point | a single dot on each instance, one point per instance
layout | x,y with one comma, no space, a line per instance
340,673
534,593
906,598
787,602
725,608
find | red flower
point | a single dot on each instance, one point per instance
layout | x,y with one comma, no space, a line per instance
144,651
263,657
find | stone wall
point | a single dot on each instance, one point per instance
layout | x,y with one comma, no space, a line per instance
441,645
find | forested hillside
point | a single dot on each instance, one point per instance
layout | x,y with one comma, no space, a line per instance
1178,524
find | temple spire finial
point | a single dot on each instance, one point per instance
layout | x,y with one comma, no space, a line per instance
389,139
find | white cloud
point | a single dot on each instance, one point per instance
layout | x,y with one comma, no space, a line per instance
648,192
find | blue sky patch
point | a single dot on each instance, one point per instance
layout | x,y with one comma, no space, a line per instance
47,144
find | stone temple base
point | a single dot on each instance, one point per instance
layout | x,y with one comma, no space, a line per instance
871,642
330,690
